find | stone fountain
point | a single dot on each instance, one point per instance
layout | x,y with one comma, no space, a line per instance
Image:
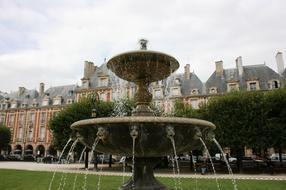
151,134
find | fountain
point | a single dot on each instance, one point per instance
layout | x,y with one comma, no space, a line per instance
142,136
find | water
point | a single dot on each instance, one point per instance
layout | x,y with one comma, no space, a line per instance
208,153
100,173
123,171
80,159
52,180
227,163
86,170
174,172
64,174
133,162
177,163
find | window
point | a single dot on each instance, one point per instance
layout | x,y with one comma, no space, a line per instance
69,101
30,134
175,92
213,90
14,105
20,133
103,81
273,84
195,91
232,87
57,100
42,133
43,118
157,93
46,101
22,118
194,103
252,86
11,120
177,81
31,119
2,119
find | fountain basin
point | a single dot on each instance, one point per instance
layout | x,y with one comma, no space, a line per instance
143,65
152,134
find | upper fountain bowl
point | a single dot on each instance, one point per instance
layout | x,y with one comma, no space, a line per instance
143,65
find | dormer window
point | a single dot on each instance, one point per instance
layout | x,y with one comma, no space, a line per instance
70,101
195,91
24,105
103,81
175,91
57,100
70,93
157,93
232,87
273,84
177,81
46,101
252,85
213,90
14,104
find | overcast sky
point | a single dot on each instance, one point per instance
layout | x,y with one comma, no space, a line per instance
49,40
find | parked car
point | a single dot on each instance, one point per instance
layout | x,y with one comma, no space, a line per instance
2,157
248,162
29,157
49,159
14,157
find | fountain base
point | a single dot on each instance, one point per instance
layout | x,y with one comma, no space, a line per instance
144,178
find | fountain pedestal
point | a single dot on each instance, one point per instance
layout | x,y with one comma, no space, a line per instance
144,176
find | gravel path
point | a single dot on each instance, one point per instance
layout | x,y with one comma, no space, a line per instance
73,168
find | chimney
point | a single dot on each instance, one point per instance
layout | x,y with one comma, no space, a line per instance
239,67
187,73
219,68
42,89
21,90
89,69
279,62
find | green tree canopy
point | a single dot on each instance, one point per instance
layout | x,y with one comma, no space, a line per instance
61,122
5,137
276,117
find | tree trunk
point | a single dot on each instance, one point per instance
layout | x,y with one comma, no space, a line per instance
110,161
86,160
191,162
95,160
280,157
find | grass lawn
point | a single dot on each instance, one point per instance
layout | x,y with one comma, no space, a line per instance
30,180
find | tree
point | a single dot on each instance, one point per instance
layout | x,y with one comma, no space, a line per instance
276,119
5,137
240,120
185,110
61,122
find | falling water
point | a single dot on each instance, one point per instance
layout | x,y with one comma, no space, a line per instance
174,172
227,163
64,174
133,162
100,173
208,153
177,163
80,159
86,170
52,180
124,170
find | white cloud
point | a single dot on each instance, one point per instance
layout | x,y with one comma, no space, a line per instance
48,41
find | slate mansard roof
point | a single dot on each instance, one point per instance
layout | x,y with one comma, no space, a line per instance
32,97
262,73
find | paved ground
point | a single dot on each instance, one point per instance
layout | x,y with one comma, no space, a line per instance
73,168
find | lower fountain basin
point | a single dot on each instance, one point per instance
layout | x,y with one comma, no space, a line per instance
151,134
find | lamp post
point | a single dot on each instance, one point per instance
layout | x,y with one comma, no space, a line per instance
93,115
